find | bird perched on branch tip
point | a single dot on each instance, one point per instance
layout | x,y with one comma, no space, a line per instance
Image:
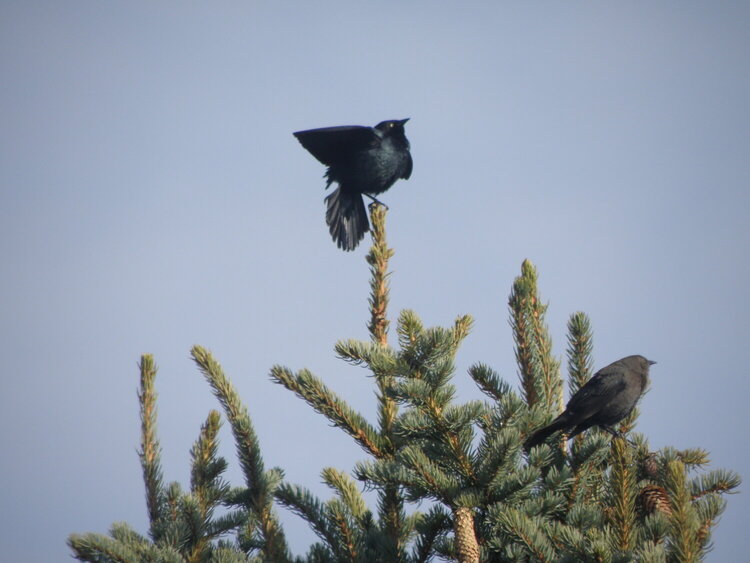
362,161
603,401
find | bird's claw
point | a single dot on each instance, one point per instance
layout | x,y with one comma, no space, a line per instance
620,435
375,202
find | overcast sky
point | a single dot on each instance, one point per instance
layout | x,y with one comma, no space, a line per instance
153,197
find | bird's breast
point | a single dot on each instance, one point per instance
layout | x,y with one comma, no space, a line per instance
377,170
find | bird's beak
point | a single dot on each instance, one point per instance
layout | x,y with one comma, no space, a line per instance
403,121
651,362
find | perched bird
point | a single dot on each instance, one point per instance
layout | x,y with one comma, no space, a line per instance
362,161
604,400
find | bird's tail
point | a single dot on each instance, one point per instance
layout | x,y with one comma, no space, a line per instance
346,218
542,434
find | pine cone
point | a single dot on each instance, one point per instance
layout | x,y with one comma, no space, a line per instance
655,498
467,548
651,466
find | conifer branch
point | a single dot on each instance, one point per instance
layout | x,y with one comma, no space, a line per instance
574,543
97,547
303,503
208,489
496,454
580,361
589,460
227,554
448,432
326,402
489,381
348,544
392,520
122,532
429,365
708,509
539,370
623,491
580,347
524,530
378,258
512,487
627,424
429,475
460,452
259,483
714,482
347,491
150,452
430,528
227,523
461,328
248,447
522,336
685,525
206,467
409,327
693,457
381,361
125,546
548,365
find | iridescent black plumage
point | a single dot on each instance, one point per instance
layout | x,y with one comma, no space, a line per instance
362,161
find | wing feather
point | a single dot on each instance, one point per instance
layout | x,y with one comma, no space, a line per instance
597,390
409,166
334,144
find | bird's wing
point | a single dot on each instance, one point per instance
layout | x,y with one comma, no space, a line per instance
333,144
409,166
605,384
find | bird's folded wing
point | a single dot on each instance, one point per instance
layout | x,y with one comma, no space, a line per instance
598,390
409,166
334,144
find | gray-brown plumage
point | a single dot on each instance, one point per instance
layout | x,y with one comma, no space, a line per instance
604,400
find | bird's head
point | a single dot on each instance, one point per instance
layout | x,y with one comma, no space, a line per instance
392,127
639,363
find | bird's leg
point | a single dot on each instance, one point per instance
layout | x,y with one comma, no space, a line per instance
376,201
618,434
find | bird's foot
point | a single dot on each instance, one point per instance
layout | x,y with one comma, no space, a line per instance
375,202
612,431
618,434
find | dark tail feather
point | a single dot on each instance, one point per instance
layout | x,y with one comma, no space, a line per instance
541,435
346,218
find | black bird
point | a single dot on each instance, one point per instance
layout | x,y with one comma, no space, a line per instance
604,400
362,161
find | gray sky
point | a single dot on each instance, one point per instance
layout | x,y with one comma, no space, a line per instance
152,197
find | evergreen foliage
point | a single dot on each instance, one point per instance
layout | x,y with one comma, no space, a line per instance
603,499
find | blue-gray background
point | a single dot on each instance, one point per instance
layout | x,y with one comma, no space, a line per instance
153,197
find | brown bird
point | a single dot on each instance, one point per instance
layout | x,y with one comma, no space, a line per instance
608,397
